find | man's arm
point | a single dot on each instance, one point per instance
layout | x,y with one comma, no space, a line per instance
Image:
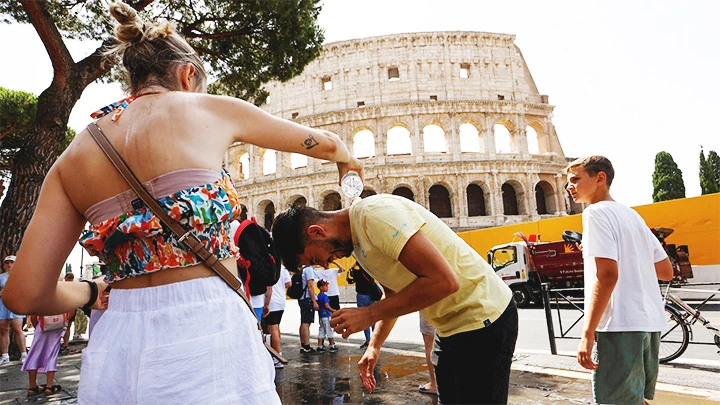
607,276
311,293
372,353
266,306
664,270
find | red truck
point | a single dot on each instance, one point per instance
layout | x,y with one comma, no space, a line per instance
526,264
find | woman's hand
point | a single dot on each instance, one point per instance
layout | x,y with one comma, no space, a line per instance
103,295
353,165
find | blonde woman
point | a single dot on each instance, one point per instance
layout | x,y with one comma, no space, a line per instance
173,332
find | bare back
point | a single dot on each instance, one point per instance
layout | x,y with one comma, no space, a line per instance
156,134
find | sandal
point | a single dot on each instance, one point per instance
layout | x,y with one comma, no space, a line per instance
37,390
53,390
424,389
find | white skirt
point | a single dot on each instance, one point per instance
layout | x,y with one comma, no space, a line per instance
193,342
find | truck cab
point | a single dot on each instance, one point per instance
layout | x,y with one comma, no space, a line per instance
511,261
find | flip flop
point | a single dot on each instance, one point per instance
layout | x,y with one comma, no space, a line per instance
423,388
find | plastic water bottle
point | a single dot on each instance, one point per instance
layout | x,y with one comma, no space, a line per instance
352,185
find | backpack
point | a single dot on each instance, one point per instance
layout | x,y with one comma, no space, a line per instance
258,266
296,289
53,322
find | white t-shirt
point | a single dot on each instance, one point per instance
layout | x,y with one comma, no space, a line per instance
277,301
257,301
308,274
329,275
614,231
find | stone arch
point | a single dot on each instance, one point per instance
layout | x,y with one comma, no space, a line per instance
269,160
545,198
503,138
512,196
367,192
297,199
470,137
298,160
533,139
440,204
331,201
266,208
398,140
434,139
363,143
478,199
243,165
243,212
539,129
403,190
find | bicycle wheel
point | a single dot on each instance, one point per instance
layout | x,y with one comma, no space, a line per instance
673,342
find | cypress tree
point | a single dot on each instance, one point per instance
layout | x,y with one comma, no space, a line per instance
667,179
708,181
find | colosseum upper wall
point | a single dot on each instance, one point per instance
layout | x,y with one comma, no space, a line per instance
452,120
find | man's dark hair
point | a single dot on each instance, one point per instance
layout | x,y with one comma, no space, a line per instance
289,232
594,165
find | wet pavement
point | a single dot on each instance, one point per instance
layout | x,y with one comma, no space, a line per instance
332,378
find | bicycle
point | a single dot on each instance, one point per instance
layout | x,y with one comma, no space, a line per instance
680,317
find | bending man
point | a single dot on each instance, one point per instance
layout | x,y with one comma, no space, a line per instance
423,266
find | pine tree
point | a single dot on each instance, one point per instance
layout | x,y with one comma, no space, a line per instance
708,181
667,179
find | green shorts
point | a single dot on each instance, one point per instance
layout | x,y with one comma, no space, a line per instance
627,367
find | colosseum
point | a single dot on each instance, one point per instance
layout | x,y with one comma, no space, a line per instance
451,120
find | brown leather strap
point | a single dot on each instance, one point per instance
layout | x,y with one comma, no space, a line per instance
186,237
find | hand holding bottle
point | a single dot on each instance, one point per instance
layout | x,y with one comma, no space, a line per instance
353,165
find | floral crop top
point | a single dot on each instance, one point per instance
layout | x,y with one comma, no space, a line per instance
136,243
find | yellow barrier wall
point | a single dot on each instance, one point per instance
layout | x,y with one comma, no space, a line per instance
696,222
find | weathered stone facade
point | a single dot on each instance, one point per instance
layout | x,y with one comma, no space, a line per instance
419,81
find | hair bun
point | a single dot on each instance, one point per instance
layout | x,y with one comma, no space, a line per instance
130,28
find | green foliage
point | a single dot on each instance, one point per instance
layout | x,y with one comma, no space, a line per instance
667,179
714,162
708,180
17,117
244,43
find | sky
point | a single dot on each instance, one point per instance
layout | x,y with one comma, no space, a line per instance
628,79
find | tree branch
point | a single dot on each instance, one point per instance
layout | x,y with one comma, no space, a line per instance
40,18
221,35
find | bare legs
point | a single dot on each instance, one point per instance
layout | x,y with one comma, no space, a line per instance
428,341
16,325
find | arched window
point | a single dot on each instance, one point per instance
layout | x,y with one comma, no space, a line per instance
243,212
244,168
440,201
298,160
545,198
476,201
404,192
364,144
434,139
398,141
502,139
469,138
510,203
532,140
367,193
269,215
332,202
269,162
301,201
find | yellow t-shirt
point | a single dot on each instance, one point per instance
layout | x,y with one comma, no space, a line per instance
381,226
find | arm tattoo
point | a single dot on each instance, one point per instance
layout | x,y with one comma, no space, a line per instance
310,142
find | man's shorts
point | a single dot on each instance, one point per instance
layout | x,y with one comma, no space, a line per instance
627,367
274,317
307,313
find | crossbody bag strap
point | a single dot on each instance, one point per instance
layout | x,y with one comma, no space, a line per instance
186,237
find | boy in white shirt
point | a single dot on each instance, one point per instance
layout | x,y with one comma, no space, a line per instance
624,309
